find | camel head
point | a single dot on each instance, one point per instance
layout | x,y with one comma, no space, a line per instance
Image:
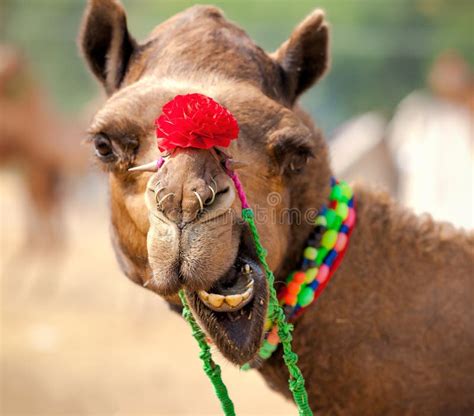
180,226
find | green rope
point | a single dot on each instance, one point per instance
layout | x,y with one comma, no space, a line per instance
212,369
276,314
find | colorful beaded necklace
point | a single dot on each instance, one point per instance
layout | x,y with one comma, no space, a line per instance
325,249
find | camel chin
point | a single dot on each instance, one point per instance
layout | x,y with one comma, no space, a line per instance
233,311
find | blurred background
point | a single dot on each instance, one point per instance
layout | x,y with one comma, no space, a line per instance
76,337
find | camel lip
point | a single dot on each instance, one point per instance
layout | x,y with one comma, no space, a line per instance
238,332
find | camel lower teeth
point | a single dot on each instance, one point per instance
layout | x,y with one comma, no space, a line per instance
234,300
227,303
246,269
215,300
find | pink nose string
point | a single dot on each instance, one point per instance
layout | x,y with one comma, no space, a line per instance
238,185
159,163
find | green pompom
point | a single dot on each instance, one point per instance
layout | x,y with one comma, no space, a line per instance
342,210
305,296
346,191
310,253
336,193
329,239
330,218
322,252
311,274
321,220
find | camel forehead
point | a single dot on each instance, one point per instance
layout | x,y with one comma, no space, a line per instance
201,40
197,15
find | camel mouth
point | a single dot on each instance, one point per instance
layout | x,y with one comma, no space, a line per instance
233,311
232,293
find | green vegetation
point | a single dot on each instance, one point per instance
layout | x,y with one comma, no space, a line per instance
381,49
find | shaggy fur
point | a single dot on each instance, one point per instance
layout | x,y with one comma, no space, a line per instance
35,137
392,334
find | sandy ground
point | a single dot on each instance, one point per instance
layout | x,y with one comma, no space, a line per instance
77,338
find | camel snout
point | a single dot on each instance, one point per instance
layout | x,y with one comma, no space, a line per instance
194,235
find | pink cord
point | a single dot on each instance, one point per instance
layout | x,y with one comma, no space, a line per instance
238,186
159,163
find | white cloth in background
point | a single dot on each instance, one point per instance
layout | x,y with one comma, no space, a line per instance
432,143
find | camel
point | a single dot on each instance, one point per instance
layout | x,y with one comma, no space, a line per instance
34,137
392,333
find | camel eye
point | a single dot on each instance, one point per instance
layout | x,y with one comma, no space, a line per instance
103,148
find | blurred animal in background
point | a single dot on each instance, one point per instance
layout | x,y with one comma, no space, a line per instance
431,138
38,143
426,153
391,335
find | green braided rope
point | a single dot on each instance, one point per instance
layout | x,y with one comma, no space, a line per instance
212,369
276,314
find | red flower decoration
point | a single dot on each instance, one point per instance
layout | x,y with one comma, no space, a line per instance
194,120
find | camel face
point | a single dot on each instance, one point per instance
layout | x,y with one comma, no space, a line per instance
180,227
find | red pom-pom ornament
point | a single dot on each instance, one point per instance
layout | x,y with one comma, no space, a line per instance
195,120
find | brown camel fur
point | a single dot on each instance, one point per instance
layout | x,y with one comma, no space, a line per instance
392,334
34,137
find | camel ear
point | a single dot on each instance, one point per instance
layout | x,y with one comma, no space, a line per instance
105,42
303,58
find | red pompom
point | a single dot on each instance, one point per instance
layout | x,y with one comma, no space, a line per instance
194,120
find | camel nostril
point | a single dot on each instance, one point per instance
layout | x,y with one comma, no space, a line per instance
224,191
